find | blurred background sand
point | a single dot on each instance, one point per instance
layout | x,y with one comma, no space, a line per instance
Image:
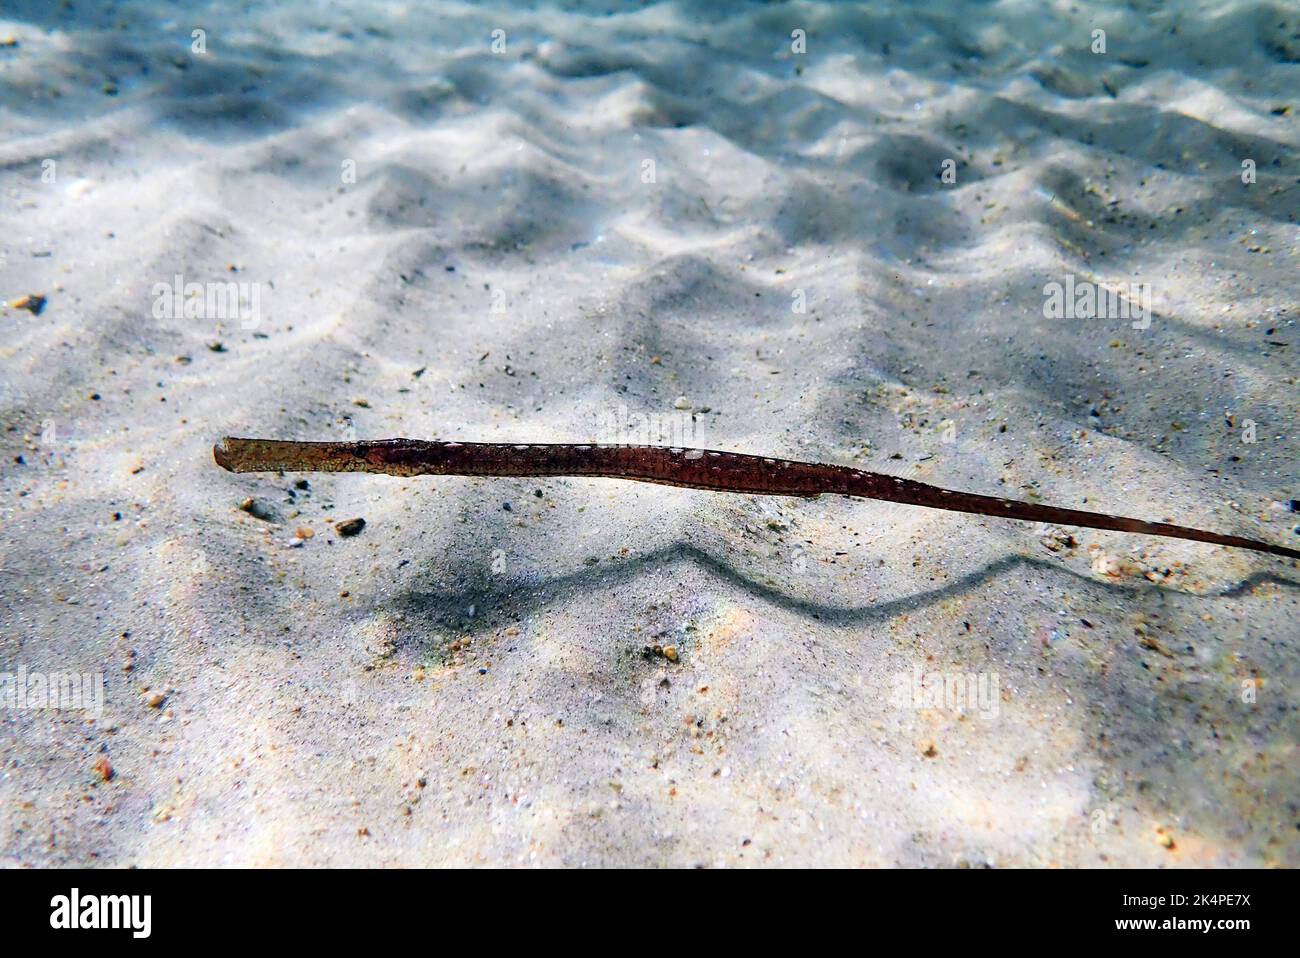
605,230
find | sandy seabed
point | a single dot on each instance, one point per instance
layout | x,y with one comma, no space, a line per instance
664,224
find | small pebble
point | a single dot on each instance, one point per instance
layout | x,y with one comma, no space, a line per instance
258,509
670,653
103,768
155,700
350,527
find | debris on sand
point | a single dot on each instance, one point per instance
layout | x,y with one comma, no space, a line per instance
350,527
1112,566
32,302
668,652
1057,539
258,509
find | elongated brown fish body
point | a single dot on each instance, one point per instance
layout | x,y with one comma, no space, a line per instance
674,466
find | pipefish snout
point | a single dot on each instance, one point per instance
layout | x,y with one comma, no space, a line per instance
674,466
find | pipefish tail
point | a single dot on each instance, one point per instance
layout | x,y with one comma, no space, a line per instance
673,466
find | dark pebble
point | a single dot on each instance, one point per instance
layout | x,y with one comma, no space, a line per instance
350,527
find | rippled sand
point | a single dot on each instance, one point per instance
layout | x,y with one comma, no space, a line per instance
611,225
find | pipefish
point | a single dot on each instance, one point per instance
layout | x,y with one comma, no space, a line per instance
673,466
